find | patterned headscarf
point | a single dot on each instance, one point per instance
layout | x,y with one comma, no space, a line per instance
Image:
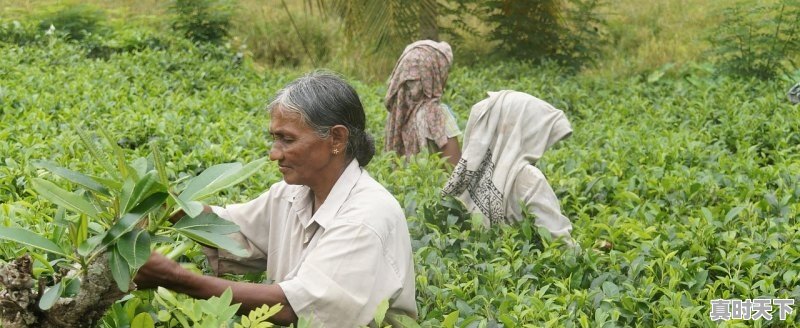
416,86
505,132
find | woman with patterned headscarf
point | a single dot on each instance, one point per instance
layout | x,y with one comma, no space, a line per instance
417,119
505,135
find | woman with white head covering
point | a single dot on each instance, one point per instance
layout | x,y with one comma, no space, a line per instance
417,120
505,135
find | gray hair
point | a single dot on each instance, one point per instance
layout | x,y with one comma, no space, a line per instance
323,99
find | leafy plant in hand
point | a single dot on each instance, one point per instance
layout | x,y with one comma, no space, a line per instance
104,232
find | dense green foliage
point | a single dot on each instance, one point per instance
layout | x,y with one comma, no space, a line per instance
758,41
202,20
680,190
567,32
78,22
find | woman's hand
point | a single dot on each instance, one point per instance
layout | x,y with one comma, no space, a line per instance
159,271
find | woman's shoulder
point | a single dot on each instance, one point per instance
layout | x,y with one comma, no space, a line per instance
372,204
370,191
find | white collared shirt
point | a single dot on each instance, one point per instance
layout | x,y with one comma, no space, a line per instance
336,266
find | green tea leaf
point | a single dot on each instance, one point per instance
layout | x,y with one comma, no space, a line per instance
207,177
28,238
221,177
132,218
380,313
50,297
208,222
143,188
191,208
142,320
72,176
59,196
120,270
401,321
134,247
214,240
450,320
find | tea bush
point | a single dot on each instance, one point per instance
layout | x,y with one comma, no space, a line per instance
681,190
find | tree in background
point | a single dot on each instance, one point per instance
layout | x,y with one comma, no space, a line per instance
565,31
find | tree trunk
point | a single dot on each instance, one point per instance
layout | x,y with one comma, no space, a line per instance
19,301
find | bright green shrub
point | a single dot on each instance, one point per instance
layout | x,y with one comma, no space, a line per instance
758,41
77,22
202,20
565,31
17,32
277,43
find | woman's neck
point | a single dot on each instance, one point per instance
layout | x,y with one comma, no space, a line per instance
321,191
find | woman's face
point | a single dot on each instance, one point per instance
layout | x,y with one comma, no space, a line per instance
302,155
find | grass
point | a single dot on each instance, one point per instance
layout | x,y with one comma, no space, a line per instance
644,35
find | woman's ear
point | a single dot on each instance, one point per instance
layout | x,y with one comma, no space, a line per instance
339,136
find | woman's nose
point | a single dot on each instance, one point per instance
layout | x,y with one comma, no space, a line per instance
275,153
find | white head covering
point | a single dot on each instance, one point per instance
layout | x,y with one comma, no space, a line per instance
505,132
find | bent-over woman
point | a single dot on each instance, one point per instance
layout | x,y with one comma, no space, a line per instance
417,119
505,135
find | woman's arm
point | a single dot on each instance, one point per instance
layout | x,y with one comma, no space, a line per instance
159,271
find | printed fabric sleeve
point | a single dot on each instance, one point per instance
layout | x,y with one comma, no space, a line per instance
343,280
251,217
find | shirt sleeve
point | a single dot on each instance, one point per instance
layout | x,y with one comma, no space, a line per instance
251,217
541,200
343,279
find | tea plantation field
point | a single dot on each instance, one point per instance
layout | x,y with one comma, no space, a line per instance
681,190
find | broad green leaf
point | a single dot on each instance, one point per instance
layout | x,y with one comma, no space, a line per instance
108,183
119,155
214,240
158,160
232,179
207,177
99,158
50,296
59,196
120,270
90,244
450,320
734,212
401,321
167,296
72,287
28,238
134,247
72,176
191,208
221,178
142,320
208,222
143,188
132,218
507,320
139,165
380,312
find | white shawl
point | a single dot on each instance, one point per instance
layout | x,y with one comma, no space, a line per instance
505,133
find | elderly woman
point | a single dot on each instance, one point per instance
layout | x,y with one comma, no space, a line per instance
334,241
417,120
505,135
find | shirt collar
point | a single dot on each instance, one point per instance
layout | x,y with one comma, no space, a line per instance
338,194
